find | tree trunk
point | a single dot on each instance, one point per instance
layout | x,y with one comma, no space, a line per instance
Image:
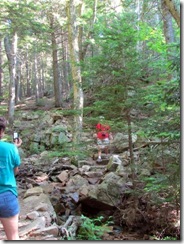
132,163
11,50
1,70
65,70
42,75
174,12
35,77
167,20
39,70
18,83
28,78
73,33
168,32
55,65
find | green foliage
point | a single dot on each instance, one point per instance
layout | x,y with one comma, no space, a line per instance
68,150
155,183
113,74
3,110
92,229
154,37
163,104
35,148
71,112
148,81
164,187
41,102
21,16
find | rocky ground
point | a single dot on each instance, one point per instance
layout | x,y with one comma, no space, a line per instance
38,218
43,217
53,194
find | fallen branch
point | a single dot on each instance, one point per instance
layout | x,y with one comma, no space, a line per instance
146,144
69,229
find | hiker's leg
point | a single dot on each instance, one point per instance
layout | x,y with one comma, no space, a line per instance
107,146
99,143
106,150
10,226
99,152
9,214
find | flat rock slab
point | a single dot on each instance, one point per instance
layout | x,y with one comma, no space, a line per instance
103,162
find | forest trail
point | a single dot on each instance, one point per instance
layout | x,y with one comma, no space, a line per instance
31,229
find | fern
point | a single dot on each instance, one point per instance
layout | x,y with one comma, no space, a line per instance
92,229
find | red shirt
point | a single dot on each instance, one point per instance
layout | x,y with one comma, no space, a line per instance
102,131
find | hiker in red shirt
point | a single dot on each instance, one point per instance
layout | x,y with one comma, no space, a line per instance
103,137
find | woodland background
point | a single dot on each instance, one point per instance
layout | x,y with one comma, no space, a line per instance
119,59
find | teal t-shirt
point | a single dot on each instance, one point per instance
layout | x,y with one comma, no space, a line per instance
9,159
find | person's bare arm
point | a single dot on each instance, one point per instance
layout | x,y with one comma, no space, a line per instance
17,143
110,136
16,170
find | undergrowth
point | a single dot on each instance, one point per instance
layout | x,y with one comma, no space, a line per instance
92,229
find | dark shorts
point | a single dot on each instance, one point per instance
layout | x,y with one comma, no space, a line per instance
9,205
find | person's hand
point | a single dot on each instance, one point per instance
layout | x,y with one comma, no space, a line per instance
110,136
94,135
18,142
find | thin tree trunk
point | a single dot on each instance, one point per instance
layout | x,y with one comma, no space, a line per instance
35,77
167,20
174,12
28,79
39,69
132,163
57,83
11,50
168,32
1,70
17,83
42,75
65,71
73,33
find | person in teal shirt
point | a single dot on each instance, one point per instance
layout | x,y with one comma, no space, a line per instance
9,205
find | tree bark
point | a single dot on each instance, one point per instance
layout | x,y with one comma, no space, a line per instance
65,70
55,65
18,83
73,33
1,70
174,12
167,20
35,77
132,163
11,50
28,78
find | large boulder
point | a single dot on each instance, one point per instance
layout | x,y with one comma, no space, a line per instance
120,141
